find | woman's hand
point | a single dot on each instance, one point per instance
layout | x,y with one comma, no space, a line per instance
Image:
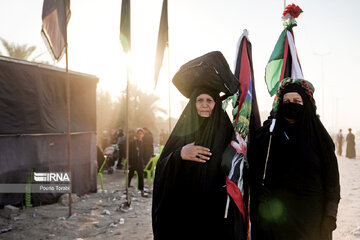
194,153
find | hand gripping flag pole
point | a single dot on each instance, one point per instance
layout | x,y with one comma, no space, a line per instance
272,126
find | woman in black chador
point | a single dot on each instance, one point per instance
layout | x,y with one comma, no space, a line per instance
189,195
295,178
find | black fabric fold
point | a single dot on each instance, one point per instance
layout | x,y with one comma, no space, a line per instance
33,100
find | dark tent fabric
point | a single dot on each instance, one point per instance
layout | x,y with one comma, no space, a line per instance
33,126
33,100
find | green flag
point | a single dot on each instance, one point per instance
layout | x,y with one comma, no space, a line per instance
273,68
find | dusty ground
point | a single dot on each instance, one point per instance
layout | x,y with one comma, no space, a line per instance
349,208
91,222
95,216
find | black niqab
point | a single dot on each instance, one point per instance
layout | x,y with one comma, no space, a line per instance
302,174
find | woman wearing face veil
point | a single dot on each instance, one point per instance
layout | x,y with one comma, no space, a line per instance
295,178
189,194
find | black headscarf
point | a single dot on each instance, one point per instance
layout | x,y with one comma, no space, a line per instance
193,128
309,125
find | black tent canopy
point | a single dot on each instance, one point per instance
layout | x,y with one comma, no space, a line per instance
33,126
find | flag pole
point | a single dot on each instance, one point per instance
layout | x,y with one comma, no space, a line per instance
322,55
127,131
169,79
125,39
68,116
169,83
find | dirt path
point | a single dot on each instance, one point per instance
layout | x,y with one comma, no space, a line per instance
95,216
349,209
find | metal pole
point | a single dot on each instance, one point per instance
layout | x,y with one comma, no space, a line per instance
127,131
284,4
322,55
68,117
169,80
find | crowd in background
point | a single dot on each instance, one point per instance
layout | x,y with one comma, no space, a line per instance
112,143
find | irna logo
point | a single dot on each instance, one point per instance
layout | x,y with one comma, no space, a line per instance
51,177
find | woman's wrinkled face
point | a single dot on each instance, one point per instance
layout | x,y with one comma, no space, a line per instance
204,105
293,97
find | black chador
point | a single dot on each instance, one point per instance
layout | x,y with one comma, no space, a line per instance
298,199
189,197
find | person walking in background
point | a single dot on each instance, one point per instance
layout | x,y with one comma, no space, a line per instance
136,160
350,145
339,142
295,189
121,143
148,146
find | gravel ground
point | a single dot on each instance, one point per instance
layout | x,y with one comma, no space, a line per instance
95,216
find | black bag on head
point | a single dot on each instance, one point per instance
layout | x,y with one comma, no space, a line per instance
210,71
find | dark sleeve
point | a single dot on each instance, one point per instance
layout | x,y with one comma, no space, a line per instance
166,174
257,150
332,185
167,169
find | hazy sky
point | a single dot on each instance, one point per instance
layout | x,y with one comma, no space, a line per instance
326,27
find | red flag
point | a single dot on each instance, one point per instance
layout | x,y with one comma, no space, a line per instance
246,119
55,16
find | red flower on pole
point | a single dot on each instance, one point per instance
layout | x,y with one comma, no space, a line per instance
292,10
